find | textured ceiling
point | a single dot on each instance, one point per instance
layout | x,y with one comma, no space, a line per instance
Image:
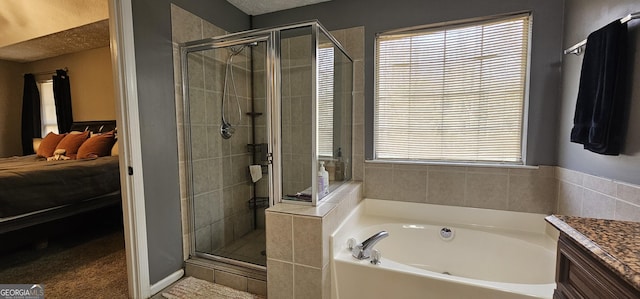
91,36
258,7
22,20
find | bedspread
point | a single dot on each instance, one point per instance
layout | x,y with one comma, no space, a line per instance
30,184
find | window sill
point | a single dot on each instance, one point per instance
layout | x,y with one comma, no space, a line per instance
451,163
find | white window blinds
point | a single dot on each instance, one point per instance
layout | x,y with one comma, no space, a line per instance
325,101
452,93
48,108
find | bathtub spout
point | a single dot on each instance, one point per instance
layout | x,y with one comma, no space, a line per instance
363,250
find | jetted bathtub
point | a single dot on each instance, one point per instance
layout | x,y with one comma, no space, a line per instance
435,251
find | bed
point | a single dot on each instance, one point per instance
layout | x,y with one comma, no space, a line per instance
34,190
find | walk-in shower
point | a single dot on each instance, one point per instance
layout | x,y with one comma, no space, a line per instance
262,108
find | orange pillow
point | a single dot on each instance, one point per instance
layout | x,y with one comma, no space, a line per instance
97,146
48,144
72,142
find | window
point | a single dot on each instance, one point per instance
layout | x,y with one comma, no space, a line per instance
452,93
48,108
325,100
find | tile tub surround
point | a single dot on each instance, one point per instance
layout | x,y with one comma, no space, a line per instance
584,195
613,242
543,189
529,190
298,244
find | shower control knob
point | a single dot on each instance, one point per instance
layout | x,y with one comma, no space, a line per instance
351,243
376,256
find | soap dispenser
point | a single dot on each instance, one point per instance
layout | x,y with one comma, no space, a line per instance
323,181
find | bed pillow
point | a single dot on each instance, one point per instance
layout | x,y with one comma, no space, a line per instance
48,144
97,146
72,142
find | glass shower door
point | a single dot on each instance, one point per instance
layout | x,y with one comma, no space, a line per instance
227,147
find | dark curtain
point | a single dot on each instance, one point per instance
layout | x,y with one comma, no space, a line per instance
599,122
62,96
31,122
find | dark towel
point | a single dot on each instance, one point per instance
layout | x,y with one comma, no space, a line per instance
601,104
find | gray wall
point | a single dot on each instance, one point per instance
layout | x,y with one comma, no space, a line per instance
154,65
382,15
583,17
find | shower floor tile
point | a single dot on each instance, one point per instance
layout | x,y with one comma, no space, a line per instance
250,248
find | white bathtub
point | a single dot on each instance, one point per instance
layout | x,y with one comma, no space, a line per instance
493,254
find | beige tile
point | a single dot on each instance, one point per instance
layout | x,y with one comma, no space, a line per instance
279,236
447,168
307,282
602,185
569,199
446,188
532,194
628,192
326,282
240,168
231,280
258,287
185,26
355,42
198,272
201,183
203,239
279,280
597,205
197,106
627,212
358,108
547,171
198,142
409,184
378,182
568,175
210,30
307,241
203,207
491,170
358,78
488,191
358,168
358,140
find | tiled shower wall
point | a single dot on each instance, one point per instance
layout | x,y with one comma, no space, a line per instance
220,166
295,53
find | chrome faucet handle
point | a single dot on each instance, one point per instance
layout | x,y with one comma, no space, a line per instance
363,250
376,256
358,252
351,243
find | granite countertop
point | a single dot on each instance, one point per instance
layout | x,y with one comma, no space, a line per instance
615,243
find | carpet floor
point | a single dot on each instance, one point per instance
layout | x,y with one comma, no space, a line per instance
80,267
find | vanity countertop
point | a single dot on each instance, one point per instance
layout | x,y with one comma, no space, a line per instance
615,243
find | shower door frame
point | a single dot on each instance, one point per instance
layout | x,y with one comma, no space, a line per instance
272,71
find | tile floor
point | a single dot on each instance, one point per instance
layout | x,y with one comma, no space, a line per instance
250,248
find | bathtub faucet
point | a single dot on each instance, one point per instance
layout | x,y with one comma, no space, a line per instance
363,250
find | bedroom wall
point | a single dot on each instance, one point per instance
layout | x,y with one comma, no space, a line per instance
583,17
156,104
92,93
10,108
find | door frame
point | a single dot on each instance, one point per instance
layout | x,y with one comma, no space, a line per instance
130,148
